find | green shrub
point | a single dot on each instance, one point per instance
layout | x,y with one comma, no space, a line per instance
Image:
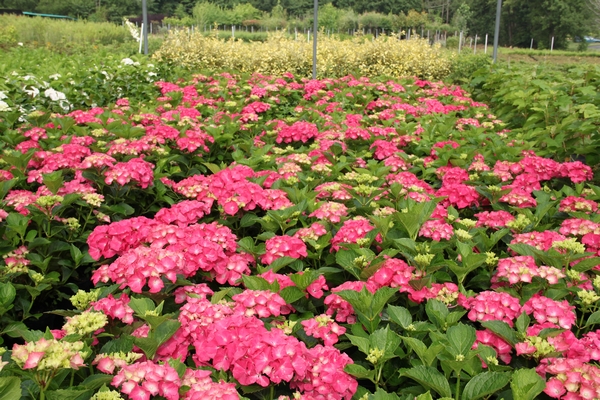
381,56
464,66
452,42
8,37
63,34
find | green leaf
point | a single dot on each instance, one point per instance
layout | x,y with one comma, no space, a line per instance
96,381
258,283
5,187
426,355
76,254
249,220
53,181
417,214
345,258
399,315
363,344
165,330
503,330
141,305
214,168
10,387
429,378
17,223
305,279
586,264
69,394
381,298
461,338
7,293
485,384
386,340
291,294
522,322
359,371
279,263
437,312
368,306
220,295
593,319
424,396
122,344
381,394
526,384
178,366
15,330
148,346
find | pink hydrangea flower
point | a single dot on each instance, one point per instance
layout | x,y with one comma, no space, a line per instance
489,306
323,327
261,303
515,269
283,246
143,379
136,170
436,229
544,309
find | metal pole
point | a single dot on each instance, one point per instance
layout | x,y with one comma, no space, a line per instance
315,28
145,25
475,47
497,29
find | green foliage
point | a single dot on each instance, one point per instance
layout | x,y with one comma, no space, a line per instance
60,35
554,109
8,36
541,20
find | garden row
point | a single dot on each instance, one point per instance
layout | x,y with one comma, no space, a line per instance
265,237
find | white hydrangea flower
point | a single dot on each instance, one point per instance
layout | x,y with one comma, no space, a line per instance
55,95
127,61
32,91
4,106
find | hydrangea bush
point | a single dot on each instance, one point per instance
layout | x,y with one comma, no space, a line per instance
280,238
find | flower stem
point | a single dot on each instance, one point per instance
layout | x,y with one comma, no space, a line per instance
457,397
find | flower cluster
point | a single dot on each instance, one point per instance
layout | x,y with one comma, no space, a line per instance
46,354
489,305
544,309
142,379
283,246
136,170
323,327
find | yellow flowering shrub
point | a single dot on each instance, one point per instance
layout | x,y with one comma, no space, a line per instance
385,55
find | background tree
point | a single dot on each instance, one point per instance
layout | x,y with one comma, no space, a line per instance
461,18
329,17
207,14
23,5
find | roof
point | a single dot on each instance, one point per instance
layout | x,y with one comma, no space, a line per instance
31,14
